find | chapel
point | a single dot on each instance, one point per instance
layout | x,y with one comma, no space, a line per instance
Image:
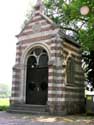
47,75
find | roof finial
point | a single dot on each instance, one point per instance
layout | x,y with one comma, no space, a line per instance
39,5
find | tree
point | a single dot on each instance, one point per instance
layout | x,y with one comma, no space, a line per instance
67,13
4,91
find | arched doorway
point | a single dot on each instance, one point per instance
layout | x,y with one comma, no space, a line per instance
37,77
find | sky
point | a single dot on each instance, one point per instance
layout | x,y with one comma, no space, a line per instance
12,16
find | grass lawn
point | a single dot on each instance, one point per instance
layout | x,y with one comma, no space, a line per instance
4,103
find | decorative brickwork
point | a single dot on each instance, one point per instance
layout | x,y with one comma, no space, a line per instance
63,92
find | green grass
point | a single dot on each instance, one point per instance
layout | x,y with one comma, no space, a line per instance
4,104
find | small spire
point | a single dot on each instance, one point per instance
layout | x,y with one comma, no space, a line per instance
39,6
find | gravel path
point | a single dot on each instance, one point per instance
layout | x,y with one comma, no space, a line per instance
24,119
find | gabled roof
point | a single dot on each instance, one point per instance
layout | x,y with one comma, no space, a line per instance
68,39
38,10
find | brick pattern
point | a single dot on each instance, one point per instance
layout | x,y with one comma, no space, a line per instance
59,92
75,54
36,37
15,82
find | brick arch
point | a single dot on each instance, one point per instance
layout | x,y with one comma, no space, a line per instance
24,65
32,46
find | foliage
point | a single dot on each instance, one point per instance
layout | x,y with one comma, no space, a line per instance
3,108
66,13
4,91
81,27
4,104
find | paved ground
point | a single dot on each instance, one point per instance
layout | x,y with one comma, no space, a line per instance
24,119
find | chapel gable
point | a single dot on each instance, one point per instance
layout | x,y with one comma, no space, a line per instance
47,75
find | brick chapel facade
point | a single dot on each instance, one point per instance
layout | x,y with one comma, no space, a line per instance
47,70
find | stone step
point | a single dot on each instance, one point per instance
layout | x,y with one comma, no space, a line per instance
30,107
25,108
28,112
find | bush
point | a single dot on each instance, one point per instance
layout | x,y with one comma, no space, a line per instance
4,108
